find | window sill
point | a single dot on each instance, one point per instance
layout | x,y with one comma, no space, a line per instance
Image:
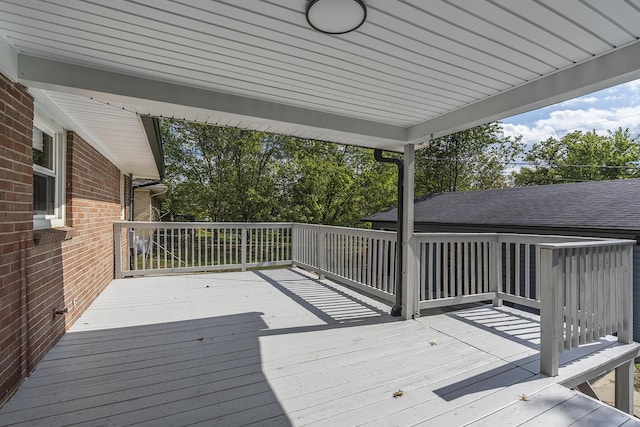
52,235
42,223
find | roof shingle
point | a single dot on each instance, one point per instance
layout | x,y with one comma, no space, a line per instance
611,205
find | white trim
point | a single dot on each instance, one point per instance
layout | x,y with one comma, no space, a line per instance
8,60
42,122
44,103
59,76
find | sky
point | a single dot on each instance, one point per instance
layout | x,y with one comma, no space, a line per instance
618,106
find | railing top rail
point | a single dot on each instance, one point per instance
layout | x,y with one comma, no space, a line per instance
348,230
152,224
543,238
587,244
449,237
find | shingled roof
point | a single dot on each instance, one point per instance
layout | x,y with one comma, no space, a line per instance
610,205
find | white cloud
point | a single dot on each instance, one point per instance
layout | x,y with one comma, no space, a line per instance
613,98
610,109
530,134
580,100
561,122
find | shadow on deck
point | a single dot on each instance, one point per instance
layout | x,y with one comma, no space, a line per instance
278,347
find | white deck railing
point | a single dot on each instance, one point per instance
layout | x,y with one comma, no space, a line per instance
582,286
364,259
455,268
168,248
586,293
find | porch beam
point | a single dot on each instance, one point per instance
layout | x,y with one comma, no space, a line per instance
71,78
620,66
410,307
8,60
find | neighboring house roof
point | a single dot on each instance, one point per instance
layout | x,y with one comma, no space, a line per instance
611,205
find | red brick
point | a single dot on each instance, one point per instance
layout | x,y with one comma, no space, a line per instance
56,273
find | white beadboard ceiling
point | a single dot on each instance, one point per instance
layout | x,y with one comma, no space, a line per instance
414,69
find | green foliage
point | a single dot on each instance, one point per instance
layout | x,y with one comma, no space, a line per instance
219,174
227,174
327,183
582,156
473,159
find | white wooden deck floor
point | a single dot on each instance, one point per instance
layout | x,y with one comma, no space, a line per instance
277,348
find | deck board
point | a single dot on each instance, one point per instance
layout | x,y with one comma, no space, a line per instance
277,347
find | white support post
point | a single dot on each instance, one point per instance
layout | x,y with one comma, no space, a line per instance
294,244
410,306
626,334
624,387
117,243
322,252
550,311
243,248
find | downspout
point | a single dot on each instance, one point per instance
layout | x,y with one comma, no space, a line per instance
396,310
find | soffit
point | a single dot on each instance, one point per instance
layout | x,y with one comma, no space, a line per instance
117,134
408,70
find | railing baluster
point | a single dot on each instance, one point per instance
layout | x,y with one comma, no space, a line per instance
574,299
485,267
565,284
458,263
507,260
422,253
471,255
516,269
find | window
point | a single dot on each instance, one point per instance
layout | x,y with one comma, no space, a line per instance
48,174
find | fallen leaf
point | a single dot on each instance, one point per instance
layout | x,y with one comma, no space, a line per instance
433,343
524,397
398,394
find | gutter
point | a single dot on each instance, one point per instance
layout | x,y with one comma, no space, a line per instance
151,127
396,310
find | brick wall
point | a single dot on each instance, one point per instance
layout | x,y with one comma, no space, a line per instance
16,223
142,205
42,271
72,273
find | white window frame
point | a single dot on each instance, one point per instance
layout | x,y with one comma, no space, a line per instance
59,172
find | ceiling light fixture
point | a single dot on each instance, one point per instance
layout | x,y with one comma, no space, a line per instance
336,16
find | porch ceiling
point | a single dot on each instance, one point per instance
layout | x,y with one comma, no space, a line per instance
410,71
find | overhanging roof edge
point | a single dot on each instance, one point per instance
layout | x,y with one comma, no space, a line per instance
50,74
604,71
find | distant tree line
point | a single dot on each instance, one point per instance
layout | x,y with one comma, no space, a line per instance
581,156
229,174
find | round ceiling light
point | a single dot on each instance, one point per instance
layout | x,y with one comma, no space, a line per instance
336,16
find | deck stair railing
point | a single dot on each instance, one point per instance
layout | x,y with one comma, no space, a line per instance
582,286
586,294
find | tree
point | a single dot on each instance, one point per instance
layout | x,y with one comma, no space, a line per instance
328,183
473,159
580,156
220,174
226,174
